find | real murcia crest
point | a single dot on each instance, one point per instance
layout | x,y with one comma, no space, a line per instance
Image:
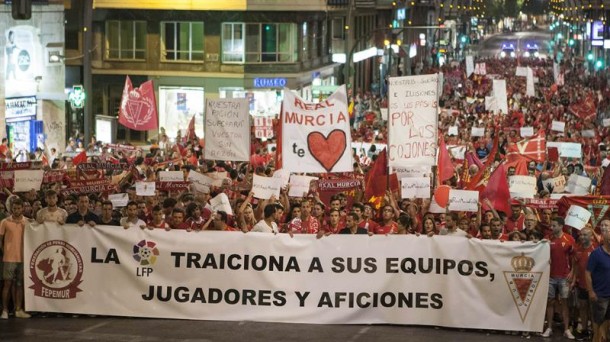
522,283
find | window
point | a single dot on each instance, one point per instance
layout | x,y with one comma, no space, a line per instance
125,39
338,28
305,42
182,41
232,42
264,43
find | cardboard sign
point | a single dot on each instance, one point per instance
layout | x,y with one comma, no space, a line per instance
299,185
477,132
171,176
522,186
283,175
415,187
26,180
463,200
227,129
558,126
577,217
265,187
201,182
145,188
453,130
579,185
221,203
558,184
570,150
118,200
527,131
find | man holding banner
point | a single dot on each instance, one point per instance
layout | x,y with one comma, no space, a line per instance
598,285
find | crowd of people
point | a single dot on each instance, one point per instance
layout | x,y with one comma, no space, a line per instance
579,258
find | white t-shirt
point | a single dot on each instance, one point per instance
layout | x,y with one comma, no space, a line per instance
137,224
263,227
46,215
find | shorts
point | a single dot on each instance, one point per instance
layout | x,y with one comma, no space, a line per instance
582,294
558,285
601,310
13,271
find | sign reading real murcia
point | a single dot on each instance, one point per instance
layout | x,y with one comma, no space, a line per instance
275,278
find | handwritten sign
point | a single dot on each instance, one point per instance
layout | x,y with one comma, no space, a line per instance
521,71
558,126
299,185
26,180
578,185
529,83
415,171
558,184
171,176
491,104
499,93
457,151
218,178
463,200
221,203
145,188
415,187
570,150
453,130
201,182
577,217
477,132
316,136
118,200
283,175
469,65
588,133
227,129
413,122
522,186
265,187
527,131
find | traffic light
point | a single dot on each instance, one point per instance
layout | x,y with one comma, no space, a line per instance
21,9
590,56
463,39
571,42
599,64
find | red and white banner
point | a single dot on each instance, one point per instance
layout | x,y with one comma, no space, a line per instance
412,121
138,109
533,148
231,276
316,136
263,127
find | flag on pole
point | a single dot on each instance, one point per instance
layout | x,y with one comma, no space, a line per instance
138,109
190,132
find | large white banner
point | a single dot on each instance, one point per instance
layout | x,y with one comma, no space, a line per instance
316,137
233,276
413,120
227,130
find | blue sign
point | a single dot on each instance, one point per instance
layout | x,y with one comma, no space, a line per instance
401,13
270,82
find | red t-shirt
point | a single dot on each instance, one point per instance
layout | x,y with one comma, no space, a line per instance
562,249
309,226
514,225
390,228
327,228
369,225
581,256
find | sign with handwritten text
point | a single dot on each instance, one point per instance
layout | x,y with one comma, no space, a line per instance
26,180
527,131
577,217
171,176
118,200
227,130
145,188
221,203
201,182
579,185
415,187
557,184
413,125
265,187
522,186
463,200
299,185
558,126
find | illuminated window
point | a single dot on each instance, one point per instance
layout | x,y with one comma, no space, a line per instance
182,41
125,40
264,43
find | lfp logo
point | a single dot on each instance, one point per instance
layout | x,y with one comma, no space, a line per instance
56,268
146,253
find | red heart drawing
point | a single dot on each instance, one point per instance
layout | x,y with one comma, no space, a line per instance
327,150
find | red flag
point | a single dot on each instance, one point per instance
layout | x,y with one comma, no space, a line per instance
585,108
478,180
497,190
138,109
373,186
445,166
277,130
190,132
80,158
604,187
532,148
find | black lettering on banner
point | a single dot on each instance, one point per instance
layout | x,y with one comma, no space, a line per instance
354,265
362,300
315,265
302,296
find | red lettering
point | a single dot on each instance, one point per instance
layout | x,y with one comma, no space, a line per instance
309,120
341,118
320,120
293,118
298,103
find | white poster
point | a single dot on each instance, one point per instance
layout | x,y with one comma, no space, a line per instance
26,180
527,131
316,136
499,93
477,131
265,187
277,278
118,200
283,175
453,130
413,122
480,69
299,185
588,133
606,122
529,90
491,104
463,200
577,217
221,203
570,150
521,71
578,185
522,186
171,176
457,151
558,126
415,171
469,65
415,187
227,130
145,188
200,182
